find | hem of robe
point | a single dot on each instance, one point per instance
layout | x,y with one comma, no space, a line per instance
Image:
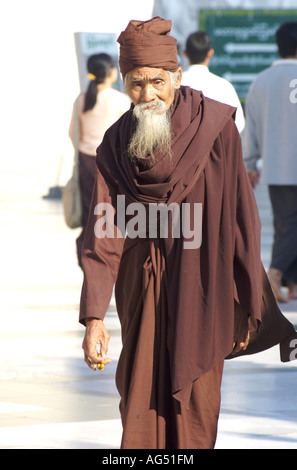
275,329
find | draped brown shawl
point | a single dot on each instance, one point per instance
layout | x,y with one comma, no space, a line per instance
197,287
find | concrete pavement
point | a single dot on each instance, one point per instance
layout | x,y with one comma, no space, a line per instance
49,399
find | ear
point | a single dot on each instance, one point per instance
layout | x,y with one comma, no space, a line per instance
179,77
210,54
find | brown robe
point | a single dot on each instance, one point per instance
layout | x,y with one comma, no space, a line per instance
178,306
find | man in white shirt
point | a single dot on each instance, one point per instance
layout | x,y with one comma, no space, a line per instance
199,52
271,135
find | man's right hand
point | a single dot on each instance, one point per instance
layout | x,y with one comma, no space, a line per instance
95,334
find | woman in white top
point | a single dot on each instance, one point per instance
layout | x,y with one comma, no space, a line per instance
98,108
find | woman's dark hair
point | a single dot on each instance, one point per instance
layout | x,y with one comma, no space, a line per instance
286,38
197,46
100,66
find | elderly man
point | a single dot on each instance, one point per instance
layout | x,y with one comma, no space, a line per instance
190,291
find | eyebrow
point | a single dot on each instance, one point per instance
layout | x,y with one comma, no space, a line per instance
158,77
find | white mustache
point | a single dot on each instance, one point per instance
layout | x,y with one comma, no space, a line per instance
155,106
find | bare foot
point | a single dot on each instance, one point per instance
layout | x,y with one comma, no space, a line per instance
275,278
292,286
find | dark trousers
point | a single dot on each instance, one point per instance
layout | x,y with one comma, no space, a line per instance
284,252
87,172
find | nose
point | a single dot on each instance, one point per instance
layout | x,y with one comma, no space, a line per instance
147,94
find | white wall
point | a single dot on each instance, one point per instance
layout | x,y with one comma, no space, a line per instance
39,78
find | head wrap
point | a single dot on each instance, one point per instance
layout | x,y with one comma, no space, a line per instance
148,44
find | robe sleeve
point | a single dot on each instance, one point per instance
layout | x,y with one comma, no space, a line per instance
247,258
101,254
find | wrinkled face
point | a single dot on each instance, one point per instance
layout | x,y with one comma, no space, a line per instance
146,85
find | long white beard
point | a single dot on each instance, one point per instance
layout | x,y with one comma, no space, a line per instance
153,130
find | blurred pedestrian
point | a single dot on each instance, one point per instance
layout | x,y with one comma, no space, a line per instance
199,52
271,135
98,108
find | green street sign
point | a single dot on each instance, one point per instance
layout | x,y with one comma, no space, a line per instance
244,42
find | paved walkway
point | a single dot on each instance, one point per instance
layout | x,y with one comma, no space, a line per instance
49,399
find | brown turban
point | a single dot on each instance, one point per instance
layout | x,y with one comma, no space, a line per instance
148,44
